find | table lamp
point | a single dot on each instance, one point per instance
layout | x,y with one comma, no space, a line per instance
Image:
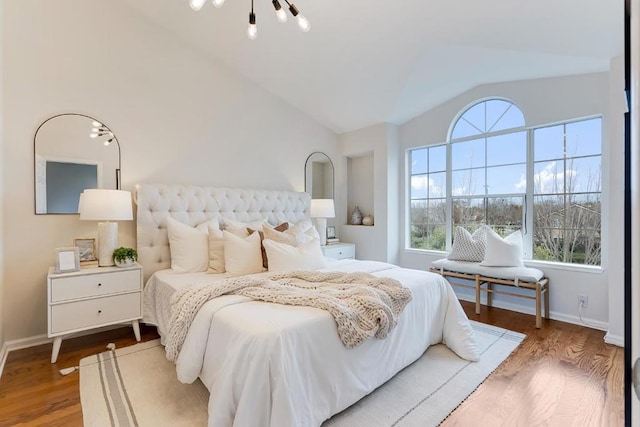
105,206
321,209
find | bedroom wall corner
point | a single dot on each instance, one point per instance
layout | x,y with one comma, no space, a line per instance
2,180
180,117
380,141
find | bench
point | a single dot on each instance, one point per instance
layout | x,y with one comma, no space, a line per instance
521,277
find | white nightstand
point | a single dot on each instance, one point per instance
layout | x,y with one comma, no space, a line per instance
339,250
91,298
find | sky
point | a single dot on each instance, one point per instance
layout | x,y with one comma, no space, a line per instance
505,156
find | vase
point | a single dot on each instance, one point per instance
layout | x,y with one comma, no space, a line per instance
367,220
356,216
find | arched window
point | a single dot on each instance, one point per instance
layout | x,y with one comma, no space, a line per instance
493,170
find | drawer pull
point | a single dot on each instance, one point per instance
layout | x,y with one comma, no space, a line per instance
340,253
99,311
99,284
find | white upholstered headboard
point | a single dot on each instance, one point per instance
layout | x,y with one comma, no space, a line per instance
193,205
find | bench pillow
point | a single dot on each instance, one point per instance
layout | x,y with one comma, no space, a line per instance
467,246
505,252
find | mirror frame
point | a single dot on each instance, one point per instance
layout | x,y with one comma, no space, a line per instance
333,171
35,136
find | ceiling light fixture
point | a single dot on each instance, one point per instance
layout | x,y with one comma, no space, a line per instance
252,30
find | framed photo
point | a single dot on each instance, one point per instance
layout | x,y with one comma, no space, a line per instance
331,232
67,259
87,248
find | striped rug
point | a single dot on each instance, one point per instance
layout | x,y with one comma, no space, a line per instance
137,386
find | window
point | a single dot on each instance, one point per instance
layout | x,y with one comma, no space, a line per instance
496,165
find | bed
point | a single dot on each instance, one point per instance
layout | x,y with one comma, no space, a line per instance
278,365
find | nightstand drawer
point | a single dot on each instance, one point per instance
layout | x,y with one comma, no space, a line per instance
94,312
340,251
91,285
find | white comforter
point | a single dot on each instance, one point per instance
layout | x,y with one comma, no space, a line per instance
274,365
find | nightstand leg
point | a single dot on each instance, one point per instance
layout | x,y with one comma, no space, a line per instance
136,329
57,342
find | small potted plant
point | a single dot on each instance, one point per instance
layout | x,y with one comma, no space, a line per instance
125,257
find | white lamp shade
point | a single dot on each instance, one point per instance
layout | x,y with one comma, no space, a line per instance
322,208
105,205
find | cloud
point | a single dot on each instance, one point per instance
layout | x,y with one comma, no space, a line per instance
420,184
548,180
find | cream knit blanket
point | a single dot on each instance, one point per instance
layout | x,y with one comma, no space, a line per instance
362,305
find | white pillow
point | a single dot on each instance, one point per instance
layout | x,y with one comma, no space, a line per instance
303,231
467,246
189,247
239,228
242,255
283,257
505,252
216,244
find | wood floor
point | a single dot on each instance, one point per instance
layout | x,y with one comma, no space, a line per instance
561,375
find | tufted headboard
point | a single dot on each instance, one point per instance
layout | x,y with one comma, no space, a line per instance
193,205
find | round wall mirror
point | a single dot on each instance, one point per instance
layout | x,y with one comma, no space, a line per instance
73,152
319,176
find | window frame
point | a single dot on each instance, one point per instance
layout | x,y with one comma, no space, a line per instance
528,194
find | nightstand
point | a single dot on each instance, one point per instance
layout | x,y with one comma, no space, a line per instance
92,298
339,250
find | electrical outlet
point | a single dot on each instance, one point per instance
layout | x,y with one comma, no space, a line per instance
583,301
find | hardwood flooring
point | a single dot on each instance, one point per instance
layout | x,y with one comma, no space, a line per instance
561,375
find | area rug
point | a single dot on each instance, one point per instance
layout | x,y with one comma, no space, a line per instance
137,386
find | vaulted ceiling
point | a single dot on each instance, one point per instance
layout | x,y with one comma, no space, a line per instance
372,61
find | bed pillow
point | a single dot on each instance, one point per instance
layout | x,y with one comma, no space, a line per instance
216,245
467,246
239,228
189,247
283,257
267,228
242,255
303,231
505,252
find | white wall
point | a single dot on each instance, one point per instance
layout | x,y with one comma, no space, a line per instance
544,101
179,117
2,227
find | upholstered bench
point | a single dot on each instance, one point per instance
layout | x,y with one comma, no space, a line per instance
520,277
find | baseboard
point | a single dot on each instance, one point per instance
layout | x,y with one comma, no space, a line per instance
4,352
563,317
609,338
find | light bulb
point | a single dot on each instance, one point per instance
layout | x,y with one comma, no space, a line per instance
95,129
218,3
96,124
281,15
196,4
252,30
303,23
93,135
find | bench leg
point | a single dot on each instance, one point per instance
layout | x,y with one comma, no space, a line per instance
538,308
489,294
546,301
477,294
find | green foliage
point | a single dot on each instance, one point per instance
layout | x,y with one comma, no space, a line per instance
122,254
542,253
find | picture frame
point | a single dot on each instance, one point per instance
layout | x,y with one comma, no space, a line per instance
87,249
67,260
331,232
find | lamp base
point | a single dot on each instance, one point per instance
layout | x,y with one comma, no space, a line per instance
321,226
107,242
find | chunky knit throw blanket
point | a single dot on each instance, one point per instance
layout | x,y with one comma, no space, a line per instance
362,305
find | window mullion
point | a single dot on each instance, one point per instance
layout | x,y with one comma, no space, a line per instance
528,220
448,205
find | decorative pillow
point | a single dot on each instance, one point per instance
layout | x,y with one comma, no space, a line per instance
216,244
467,246
189,247
242,255
283,257
303,231
239,228
267,228
505,252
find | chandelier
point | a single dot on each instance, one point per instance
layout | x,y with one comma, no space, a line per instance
252,30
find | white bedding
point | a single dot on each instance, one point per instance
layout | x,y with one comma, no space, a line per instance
274,365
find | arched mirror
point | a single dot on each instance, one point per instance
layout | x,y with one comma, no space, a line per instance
319,176
73,152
